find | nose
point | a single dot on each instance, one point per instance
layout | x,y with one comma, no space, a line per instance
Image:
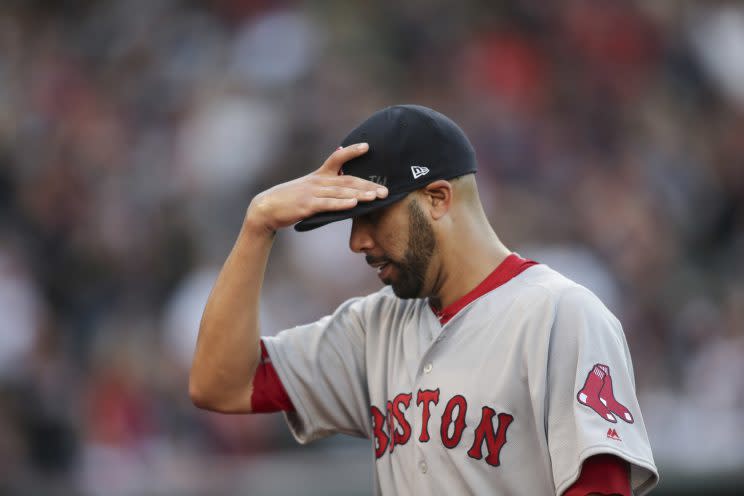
360,240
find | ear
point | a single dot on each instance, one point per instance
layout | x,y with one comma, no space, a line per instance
438,197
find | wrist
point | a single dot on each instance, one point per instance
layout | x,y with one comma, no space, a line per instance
255,228
254,223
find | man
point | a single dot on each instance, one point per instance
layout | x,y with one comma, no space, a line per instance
474,371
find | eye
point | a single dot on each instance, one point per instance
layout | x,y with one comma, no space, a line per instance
374,217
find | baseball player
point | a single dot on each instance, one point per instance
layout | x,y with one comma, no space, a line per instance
473,371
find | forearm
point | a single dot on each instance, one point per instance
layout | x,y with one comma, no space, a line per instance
227,349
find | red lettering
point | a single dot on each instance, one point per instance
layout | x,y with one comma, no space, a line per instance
391,426
494,440
378,429
401,437
425,398
462,408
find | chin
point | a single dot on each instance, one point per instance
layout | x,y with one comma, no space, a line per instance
405,292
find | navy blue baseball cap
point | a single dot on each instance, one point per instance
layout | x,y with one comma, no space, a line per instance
410,146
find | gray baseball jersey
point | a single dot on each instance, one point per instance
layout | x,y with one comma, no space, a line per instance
508,397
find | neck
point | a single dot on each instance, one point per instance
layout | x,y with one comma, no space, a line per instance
473,252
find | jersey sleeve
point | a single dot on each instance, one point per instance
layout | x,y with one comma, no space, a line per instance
269,394
592,407
322,367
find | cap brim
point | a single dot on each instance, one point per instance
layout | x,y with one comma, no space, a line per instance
324,218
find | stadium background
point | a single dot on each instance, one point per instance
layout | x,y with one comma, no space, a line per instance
133,134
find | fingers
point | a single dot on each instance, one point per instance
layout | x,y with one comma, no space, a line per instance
342,155
350,182
332,204
345,193
321,191
329,177
345,183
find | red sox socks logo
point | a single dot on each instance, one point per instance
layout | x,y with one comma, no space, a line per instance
597,394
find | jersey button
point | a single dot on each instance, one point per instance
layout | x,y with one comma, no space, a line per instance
423,467
427,368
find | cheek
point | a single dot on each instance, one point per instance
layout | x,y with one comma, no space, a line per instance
393,245
391,233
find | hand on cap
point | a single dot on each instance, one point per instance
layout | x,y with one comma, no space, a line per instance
321,191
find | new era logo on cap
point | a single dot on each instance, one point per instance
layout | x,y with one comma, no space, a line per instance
419,171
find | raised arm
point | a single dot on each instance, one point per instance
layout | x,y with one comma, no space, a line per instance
227,349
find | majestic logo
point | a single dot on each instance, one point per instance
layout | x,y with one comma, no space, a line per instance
597,394
612,434
418,171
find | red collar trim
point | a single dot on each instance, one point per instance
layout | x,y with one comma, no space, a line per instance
512,266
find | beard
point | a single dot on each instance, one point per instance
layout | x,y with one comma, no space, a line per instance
411,270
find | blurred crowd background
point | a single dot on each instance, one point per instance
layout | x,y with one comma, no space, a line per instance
134,133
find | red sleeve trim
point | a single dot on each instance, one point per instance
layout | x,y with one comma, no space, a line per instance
603,474
268,394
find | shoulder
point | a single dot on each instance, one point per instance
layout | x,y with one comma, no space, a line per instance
579,318
375,302
555,293
377,307
560,289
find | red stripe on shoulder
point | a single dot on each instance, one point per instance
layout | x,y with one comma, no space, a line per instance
268,394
